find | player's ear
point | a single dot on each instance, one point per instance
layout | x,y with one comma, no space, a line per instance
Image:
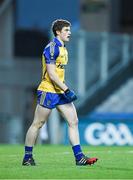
58,32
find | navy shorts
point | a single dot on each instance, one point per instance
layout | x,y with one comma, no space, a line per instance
51,100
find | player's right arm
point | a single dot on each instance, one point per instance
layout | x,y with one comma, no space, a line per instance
51,53
54,77
70,95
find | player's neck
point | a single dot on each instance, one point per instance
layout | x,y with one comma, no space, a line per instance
62,42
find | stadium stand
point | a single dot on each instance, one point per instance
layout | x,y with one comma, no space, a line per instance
120,101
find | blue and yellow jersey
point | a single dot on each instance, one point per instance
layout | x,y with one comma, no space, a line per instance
54,53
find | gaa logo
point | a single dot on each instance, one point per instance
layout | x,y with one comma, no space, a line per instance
108,134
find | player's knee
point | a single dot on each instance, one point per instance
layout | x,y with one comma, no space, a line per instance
38,125
73,122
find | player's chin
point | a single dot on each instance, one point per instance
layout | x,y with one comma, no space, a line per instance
67,39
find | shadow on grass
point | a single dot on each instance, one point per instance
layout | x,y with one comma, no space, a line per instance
115,168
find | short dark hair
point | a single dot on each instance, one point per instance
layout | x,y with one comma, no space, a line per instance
58,24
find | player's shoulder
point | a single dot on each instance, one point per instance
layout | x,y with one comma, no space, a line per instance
51,44
51,48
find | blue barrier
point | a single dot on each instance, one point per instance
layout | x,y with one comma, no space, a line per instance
105,129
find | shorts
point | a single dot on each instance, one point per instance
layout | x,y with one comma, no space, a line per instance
51,100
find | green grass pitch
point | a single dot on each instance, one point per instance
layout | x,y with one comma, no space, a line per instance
57,162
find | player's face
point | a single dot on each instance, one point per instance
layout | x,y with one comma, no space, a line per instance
65,34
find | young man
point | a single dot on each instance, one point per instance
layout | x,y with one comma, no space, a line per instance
54,93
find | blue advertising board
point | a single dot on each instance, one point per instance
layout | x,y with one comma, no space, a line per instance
105,129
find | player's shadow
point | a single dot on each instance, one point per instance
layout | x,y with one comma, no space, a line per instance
115,168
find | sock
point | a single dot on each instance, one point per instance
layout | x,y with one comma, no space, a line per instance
28,152
77,152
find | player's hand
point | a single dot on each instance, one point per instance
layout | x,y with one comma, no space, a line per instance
70,95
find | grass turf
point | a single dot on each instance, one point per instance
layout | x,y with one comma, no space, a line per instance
57,162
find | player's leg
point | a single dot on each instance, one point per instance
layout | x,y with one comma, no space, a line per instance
44,137
40,117
69,113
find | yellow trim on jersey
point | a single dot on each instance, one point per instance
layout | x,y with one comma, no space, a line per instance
52,48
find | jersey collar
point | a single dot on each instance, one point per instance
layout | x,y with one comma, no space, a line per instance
57,41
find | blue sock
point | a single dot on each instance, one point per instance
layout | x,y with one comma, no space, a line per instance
77,152
28,152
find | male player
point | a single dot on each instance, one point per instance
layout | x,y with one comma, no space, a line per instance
54,93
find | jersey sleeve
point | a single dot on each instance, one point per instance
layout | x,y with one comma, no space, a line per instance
51,52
